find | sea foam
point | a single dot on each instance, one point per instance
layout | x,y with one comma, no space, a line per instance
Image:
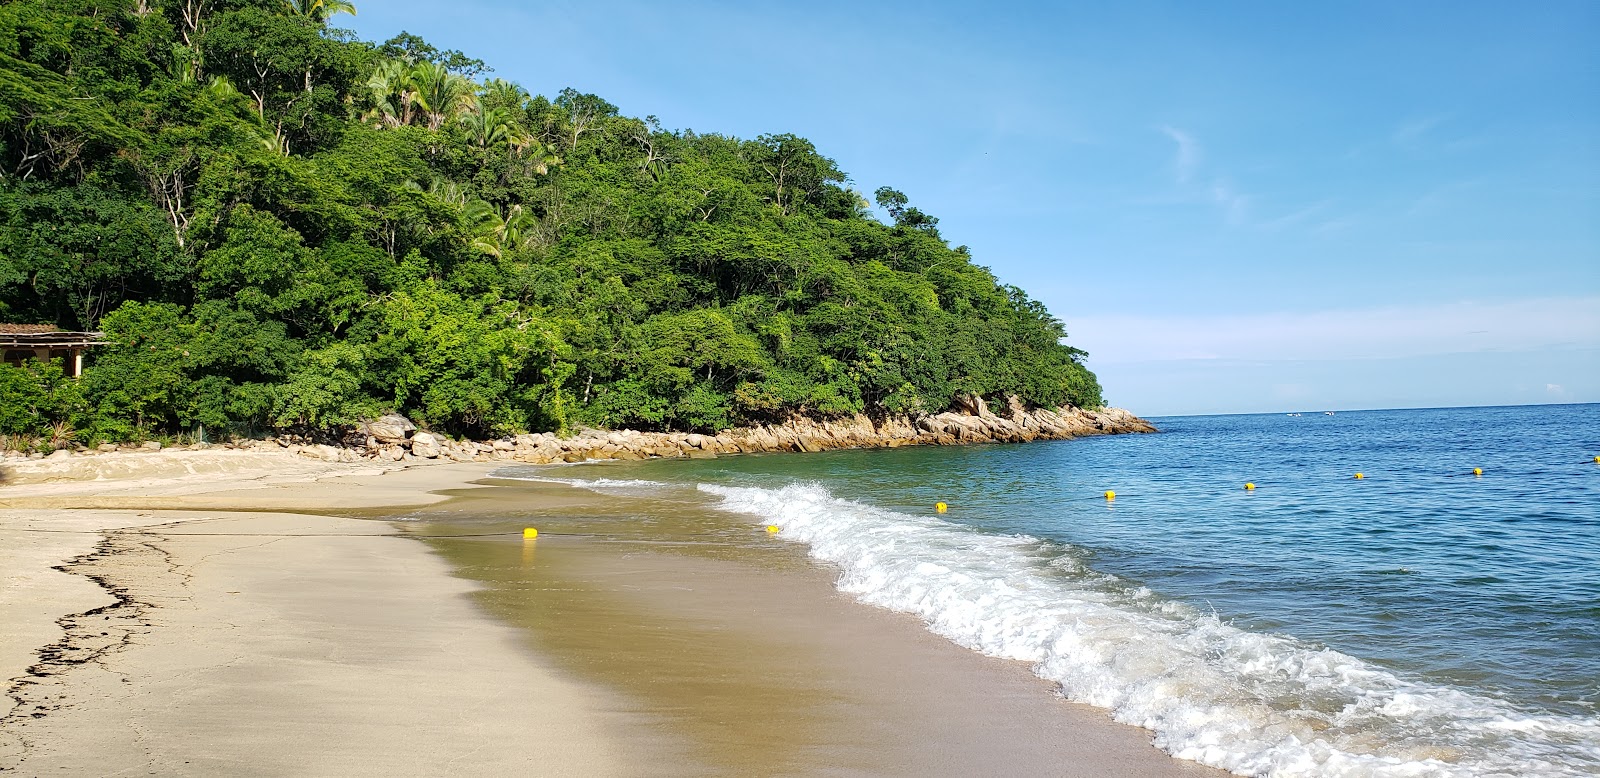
634,487
1252,703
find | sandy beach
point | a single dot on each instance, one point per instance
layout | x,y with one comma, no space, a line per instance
222,613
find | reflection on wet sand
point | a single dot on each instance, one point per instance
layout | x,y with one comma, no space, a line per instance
737,645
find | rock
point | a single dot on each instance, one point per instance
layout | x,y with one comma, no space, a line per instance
105,448
62,453
701,454
695,440
391,428
424,445
323,452
153,445
504,445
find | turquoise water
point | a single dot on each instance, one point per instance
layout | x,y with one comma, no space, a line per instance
1419,621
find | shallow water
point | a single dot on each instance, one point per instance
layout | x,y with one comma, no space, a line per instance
1419,621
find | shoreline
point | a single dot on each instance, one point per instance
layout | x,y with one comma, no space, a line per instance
239,642
393,440
227,591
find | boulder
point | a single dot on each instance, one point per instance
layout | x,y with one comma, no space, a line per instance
392,428
153,445
424,445
106,448
323,452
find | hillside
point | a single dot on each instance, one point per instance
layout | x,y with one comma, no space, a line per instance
280,227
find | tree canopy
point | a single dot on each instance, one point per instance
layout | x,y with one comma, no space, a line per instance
278,225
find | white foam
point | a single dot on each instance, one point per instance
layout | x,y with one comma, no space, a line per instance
1255,704
627,486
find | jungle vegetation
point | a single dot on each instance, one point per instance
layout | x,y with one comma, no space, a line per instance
280,226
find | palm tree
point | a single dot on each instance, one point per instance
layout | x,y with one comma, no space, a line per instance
492,232
440,94
535,156
442,189
319,10
501,93
389,91
486,127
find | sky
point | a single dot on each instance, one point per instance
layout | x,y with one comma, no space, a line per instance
1233,206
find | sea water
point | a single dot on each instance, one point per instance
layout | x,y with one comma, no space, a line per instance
1419,621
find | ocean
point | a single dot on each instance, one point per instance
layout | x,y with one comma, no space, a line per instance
1419,621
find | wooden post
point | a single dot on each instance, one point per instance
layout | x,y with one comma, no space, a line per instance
77,362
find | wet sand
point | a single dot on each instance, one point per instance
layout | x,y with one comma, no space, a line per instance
633,637
741,646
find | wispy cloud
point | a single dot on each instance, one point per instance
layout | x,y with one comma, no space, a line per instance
1235,206
1188,154
1198,181
1374,333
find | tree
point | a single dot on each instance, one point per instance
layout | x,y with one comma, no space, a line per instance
282,227
897,205
319,10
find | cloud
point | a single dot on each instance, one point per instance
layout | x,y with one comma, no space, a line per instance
1375,333
1188,154
1234,205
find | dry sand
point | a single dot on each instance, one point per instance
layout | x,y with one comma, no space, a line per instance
239,643
191,633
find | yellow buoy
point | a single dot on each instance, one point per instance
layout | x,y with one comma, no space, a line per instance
529,533
1477,471
1110,495
1597,460
1360,476
1249,487
772,528
940,507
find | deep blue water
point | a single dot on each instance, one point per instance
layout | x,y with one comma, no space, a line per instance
1487,585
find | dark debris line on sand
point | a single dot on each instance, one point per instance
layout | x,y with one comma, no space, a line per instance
88,638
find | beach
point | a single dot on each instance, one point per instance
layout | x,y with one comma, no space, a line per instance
248,613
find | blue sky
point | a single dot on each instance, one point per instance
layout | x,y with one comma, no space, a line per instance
1235,207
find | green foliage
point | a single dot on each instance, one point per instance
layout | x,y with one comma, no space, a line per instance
280,227
37,400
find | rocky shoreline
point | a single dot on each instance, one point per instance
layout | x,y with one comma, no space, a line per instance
394,438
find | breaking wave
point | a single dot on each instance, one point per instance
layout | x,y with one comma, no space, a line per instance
1252,703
